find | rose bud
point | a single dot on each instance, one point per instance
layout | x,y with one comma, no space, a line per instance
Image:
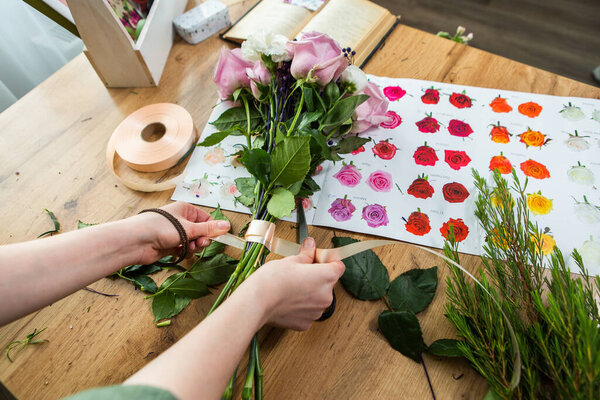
258,74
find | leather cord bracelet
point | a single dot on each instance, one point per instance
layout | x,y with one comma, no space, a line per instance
185,242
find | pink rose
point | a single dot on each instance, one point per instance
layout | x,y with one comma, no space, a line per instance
318,57
258,74
394,93
375,215
394,120
341,209
372,111
348,176
230,72
380,181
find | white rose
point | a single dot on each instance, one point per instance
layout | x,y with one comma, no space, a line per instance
581,174
590,253
200,189
572,113
577,143
355,76
267,43
596,115
229,190
587,213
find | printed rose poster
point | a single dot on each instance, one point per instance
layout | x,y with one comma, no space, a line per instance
414,178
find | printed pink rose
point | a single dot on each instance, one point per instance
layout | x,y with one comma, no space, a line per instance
359,150
372,111
229,190
318,57
348,176
375,215
394,93
258,74
393,121
457,159
341,210
428,125
459,128
380,181
230,72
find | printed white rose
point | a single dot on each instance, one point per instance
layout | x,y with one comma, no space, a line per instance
229,190
356,77
577,143
267,43
580,174
200,188
596,115
590,253
572,113
587,213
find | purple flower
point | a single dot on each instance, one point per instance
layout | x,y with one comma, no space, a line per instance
375,215
348,176
341,209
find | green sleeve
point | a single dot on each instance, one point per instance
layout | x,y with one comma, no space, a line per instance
123,392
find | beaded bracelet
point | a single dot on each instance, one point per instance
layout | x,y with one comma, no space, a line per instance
185,242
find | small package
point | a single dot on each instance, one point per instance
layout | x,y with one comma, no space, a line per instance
202,22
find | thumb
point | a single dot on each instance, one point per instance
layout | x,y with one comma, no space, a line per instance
307,251
210,228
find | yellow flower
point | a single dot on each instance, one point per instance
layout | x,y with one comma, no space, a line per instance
497,201
538,204
548,243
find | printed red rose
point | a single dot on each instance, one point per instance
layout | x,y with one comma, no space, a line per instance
459,128
501,163
535,169
385,150
393,121
455,192
431,96
460,230
428,125
418,224
460,100
394,92
425,155
420,188
359,150
456,159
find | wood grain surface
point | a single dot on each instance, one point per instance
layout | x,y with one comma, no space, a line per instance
53,142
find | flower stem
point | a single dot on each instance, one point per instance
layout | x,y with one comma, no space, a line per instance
247,390
247,121
258,377
298,112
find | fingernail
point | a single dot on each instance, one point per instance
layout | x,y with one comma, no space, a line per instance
309,243
223,225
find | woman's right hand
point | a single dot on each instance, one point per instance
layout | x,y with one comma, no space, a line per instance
294,291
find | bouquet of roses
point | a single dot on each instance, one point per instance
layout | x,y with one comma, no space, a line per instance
297,104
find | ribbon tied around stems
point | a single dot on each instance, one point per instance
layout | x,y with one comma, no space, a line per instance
263,232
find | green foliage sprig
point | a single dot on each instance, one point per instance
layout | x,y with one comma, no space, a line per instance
25,342
54,221
554,315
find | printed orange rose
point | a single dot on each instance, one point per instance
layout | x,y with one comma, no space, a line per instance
535,169
530,109
501,163
538,204
533,138
499,134
499,105
547,246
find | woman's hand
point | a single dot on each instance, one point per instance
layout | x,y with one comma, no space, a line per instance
160,237
295,291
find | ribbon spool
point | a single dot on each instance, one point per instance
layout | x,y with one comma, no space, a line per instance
152,139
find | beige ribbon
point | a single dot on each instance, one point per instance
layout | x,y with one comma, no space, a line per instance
263,232
154,138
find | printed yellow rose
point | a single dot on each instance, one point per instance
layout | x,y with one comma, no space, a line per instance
538,204
548,243
497,202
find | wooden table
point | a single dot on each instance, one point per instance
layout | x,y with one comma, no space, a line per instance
53,142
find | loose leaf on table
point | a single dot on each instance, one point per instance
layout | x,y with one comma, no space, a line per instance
342,111
403,332
445,348
290,160
281,203
413,290
189,287
167,305
213,271
236,116
25,342
140,270
54,221
258,163
81,224
365,276
144,283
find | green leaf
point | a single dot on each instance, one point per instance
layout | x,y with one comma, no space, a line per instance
81,224
309,100
189,287
332,93
213,271
236,116
491,395
281,203
445,348
258,163
290,160
215,138
413,290
211,250
54,221
365,276
307,118
350,143
245,200
246,186
403,333
295,187
218,214
170,279
144,283
258,142
133,270
309,187
342,111
167,305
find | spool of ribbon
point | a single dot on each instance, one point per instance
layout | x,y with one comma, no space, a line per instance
151,139
263,232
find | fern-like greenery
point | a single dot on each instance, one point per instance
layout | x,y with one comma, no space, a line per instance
554,313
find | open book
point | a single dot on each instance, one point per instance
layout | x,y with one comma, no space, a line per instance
359,24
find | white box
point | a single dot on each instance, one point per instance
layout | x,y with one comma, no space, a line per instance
202,22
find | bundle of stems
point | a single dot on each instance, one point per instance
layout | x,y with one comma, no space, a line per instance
554,313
